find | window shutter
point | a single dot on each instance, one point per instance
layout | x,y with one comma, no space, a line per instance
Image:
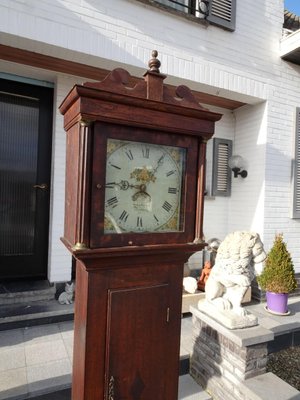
222,13
296,197
221,176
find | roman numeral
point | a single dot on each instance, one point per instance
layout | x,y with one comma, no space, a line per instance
129,155
172,190
146,152
139,222
160,161
115,166
155,217
112,202
170,172
124,216
167,206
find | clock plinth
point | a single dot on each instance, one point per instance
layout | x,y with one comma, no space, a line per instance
133,215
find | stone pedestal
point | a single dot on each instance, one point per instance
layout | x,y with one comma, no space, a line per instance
223,359
228,318
191,299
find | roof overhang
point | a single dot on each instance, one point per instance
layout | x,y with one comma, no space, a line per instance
290,47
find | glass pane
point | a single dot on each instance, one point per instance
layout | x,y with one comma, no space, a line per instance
19,118
180,5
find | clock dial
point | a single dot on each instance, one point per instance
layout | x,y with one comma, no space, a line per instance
143,187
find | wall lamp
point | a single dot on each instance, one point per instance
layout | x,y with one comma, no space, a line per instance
204,7
237,165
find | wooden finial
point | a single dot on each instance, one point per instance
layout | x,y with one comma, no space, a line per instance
154,63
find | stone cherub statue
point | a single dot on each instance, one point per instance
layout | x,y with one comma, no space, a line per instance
234,270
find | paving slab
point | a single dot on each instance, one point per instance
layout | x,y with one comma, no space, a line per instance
189,390
12,358
55,375
11,338
41,334
13,383
40,353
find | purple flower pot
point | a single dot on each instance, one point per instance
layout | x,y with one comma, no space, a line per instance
277,302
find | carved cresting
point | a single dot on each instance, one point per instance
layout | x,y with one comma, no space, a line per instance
152,88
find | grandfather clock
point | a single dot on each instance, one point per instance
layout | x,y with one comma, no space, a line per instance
133,215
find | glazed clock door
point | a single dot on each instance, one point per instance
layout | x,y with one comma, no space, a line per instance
139,186
138,328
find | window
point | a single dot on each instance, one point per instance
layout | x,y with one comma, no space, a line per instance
296,172
216,12
221,173
180,5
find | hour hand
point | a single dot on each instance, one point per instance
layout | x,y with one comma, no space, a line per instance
124,185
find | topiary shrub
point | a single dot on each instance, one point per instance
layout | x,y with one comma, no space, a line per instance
278,276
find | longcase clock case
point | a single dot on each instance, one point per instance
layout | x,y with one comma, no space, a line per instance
129,283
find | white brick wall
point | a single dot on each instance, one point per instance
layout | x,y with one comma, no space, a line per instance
243,65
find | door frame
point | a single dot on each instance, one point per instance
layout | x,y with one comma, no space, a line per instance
38,263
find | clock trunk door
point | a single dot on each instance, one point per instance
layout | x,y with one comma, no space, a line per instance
139,334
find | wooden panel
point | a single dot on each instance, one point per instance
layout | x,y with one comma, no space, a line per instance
37,60
139,374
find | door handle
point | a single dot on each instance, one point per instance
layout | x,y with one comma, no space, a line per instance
42,186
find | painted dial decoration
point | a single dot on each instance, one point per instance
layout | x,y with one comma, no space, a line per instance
143,187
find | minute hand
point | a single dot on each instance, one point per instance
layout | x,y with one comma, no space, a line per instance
159,163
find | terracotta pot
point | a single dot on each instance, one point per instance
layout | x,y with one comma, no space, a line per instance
277,302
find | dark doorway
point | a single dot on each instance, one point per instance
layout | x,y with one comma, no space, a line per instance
25,170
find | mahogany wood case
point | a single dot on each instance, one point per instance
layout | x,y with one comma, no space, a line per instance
129,284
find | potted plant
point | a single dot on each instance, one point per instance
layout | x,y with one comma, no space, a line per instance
278,277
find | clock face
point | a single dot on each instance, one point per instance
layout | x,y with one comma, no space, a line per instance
143,187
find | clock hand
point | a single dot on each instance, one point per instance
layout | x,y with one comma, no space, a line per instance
159,163
123,185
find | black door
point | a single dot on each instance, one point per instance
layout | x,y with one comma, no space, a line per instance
25,161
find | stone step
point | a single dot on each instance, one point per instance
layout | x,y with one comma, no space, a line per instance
21,315
268,386
188,390
26,291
